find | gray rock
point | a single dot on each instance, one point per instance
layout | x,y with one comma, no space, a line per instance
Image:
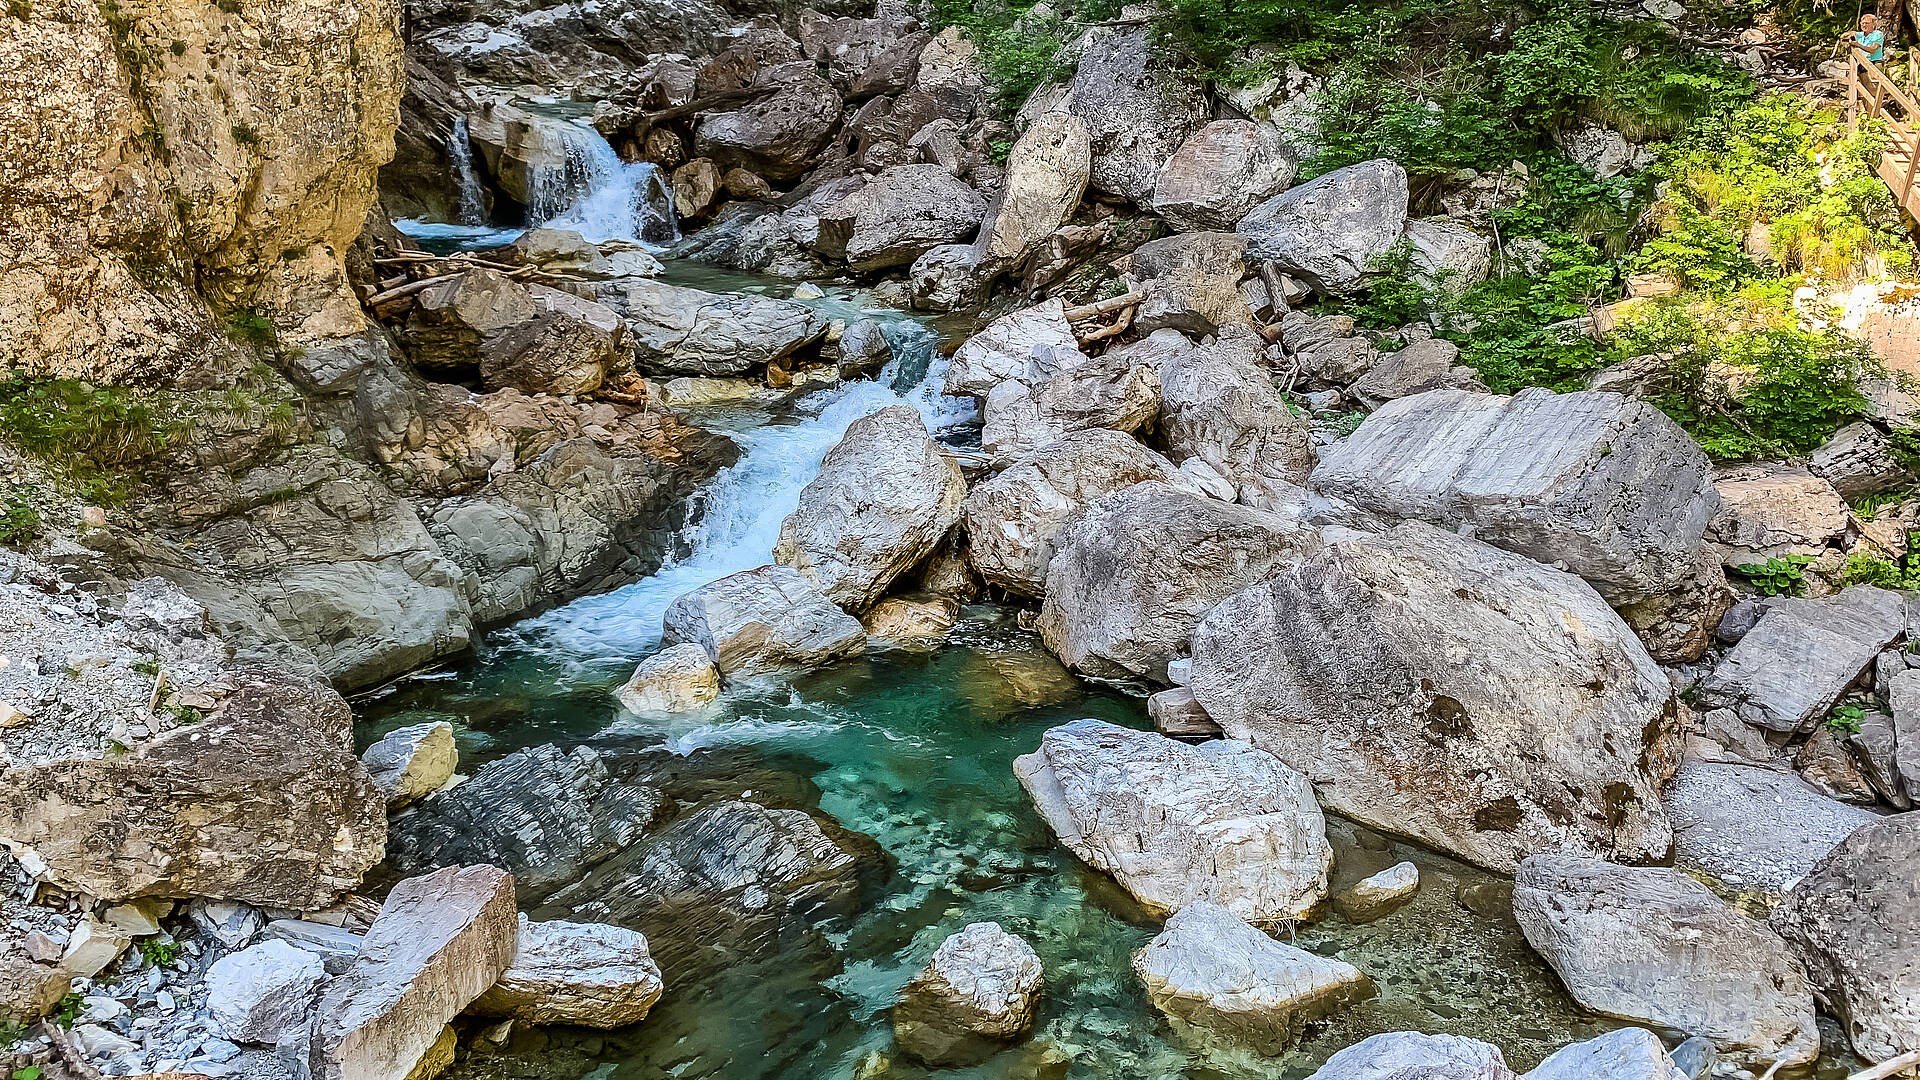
336,946
1175,712
1695,1058
1607,486
263,993
1110,392
1903,697
1407,1055
1210,968
884,497
1016,519
1136,570
589,974
1875,750
1174,823
907,211
233,925
1787,672
1677,626
1855,921
29,989
1137,110
761,620
778,136
438,943
1348,666
945,278
1448,257
1220,172
1752,827
1218,404
686,331
1431,364
1624,1054
1771,511
1604,151
979,988
1326,349
1328,230
410,762
1857,461
1653,945
1379,894
674,679
1047,173
542,813
1030,344
1191,282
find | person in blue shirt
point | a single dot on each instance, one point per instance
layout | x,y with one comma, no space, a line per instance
1871,39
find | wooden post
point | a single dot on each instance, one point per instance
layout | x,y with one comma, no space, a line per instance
1853,92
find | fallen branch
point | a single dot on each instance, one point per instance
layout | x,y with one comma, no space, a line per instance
1119,327
1889,1067
71,1060
1088,311
643,124
407,290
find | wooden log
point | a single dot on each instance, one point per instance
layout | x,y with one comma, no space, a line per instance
1119,327
1889,1067
407,290
1115,303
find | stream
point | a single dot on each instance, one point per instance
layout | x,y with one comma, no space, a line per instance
913,747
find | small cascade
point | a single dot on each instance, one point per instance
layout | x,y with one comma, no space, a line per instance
473,198
599,196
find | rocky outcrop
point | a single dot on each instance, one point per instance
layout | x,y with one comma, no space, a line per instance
438,943
1753,828
1137,110
1219,405
1432,364
1653,945
1137,570
411,762
978,991
1787,672
674,679
29,989
1220,173
778,136
1628,1053
1174,823
905,212
686,331
1448,258
1327,231
1347,667
264,803
761,620
1111,392
1211,969
1047,173
1604,485
1030,345
1855,922
1407,1055
1771,511
884,497
589,974
1016,519
566,346
1191,282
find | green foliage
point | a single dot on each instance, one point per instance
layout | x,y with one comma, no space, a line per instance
251,328
20,9
1864,569
67,1010
1845,719
1017,47
1393,297
99,436
156,952
30,1072
19,516
1867,507
1785,576
245,135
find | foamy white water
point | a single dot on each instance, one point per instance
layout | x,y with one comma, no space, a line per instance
599,196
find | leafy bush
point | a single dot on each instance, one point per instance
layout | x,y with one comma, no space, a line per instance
157,952
250,328
98,435
1018,48
1845,719
1864,569
1785,576
19,516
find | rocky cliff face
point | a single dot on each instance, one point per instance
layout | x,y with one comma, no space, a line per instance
161,150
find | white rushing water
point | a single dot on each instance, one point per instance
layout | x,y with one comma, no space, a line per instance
599,196
473,198
742,507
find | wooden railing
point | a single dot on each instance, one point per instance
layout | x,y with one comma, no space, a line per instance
1874,94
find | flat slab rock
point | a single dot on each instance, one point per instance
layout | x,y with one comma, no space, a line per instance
1787,672
1211,968
1651,944
1754,827
1174,824
1605,485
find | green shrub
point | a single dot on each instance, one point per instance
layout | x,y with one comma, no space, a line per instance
1393,297
1017,48
247,327
19,516
1864,569
1785,576
1845,719
99,436
156,952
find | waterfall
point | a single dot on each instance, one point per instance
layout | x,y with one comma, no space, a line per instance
473,199
599,196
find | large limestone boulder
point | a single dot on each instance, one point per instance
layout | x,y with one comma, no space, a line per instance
589,974
672,680
761,620
1191,282
1448,258
1653,945
1627,1053
978,991
1408,1055
1015,520
263,993
687,331
1326,231
29,989
414,761
1604,485
1352,666
1432,364
567,346
1136,571
778,136
1212,969
1855,921
1111,392
905,212
452,319
1218,404
1787,672
1046,175
946,278
264,803
1174,823
1030,344
438,943
1859,460
883,499
1221,172
1753,828
1771,511
1137,110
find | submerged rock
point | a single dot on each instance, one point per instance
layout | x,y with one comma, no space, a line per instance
762,620
882,501
589,974
1175,823
1379,894
1352,667
1653,945
978,991
1212,969
675,679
